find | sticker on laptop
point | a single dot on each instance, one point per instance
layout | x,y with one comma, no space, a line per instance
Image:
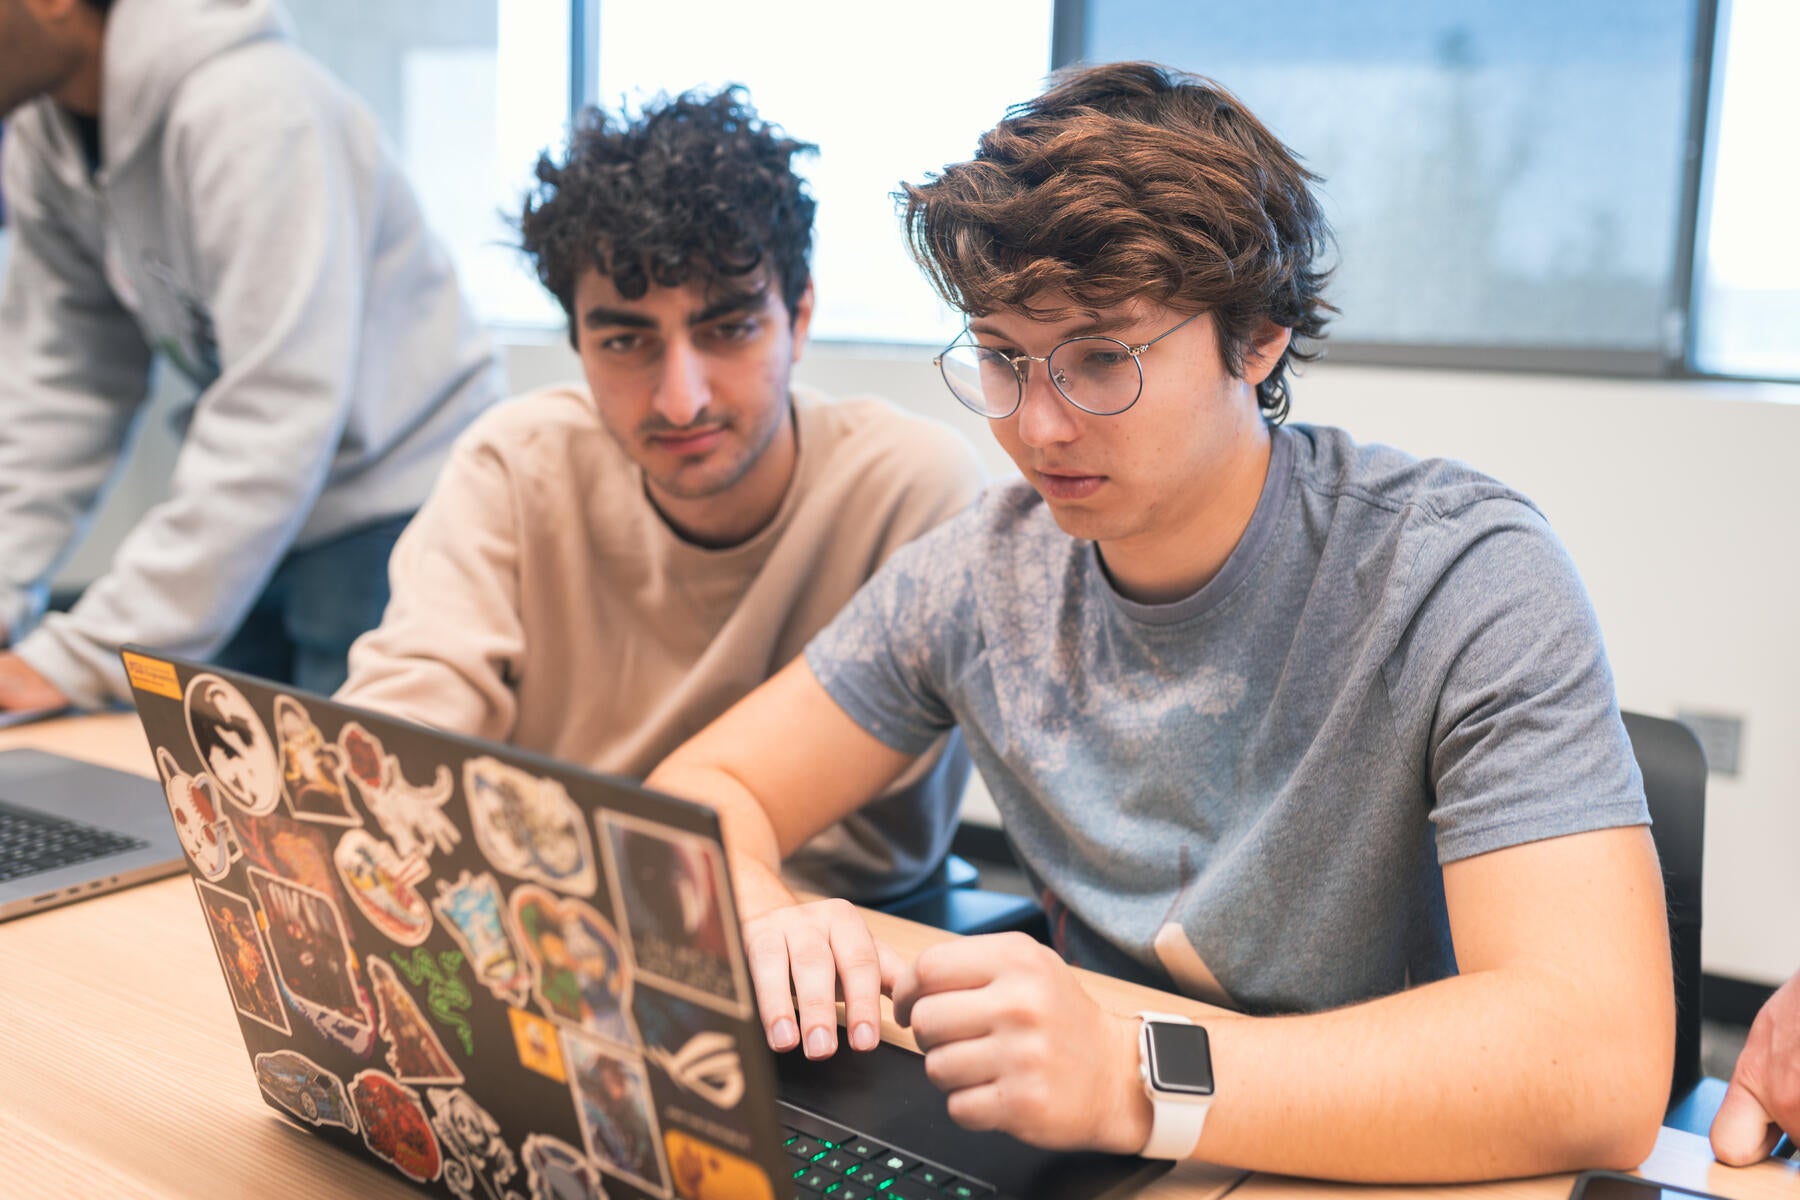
528,826
394,1126
248,975
686,1042
311,767
306,1089
671,898
558,1171
703,1171
313,958
446,995
382,885
411,815
231,741
578,969
618,1122
289,849
204,833
414,1055
474,912
474,1152
536,1042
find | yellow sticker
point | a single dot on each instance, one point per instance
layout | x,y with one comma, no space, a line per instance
537,1044
702,1171
153,676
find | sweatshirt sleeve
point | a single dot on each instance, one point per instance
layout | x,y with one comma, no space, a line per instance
276,210
73,370
452,642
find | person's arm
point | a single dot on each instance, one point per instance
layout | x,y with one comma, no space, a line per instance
73,371
1551,1050
789,740
278,214
1763,1100
451,641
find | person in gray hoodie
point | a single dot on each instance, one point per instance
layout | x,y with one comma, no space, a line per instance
185,185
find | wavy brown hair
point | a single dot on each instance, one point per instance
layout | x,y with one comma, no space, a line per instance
1132,180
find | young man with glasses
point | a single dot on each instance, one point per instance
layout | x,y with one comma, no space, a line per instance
603,570
1312,730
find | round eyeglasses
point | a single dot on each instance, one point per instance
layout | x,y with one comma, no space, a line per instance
1098,375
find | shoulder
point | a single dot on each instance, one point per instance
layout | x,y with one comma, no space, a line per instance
868,439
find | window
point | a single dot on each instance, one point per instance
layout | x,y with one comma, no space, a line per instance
884,100
468,91
1500,173
1747,303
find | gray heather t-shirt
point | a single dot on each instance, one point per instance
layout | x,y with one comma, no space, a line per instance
1396,668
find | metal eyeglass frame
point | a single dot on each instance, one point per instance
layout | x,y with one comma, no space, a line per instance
1021,365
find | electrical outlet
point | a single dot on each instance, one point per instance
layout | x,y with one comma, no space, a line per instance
1721,736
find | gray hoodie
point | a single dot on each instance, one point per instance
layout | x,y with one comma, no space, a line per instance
248,225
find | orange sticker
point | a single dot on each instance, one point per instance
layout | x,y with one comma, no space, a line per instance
537,1044
153,676
702,1171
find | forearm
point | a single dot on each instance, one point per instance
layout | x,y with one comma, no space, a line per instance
1512,1072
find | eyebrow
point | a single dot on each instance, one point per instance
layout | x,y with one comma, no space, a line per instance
1093,327
601,316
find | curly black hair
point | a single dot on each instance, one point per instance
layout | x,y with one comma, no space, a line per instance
697,186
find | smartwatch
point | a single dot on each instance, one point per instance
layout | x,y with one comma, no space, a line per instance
1175,1062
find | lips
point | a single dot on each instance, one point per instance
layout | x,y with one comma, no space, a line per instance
689,443
1068,486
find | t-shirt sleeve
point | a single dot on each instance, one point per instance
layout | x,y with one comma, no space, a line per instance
887,656
1526,741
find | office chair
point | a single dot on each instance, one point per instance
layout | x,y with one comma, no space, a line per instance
950,899
1674,768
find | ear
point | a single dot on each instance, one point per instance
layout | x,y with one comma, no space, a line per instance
1264,350
802,320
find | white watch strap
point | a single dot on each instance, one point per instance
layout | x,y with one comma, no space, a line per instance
1175,1122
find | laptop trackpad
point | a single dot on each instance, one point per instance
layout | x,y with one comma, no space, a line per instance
885,1095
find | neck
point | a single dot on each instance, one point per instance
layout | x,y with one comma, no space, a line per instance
1175,560
743,510
80,92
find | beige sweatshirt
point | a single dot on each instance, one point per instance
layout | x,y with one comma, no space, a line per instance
540,599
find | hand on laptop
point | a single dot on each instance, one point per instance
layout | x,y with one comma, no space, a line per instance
21,687
1764,1097
1018,1045
825,949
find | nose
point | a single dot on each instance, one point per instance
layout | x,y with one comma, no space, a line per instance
1045,417
682,392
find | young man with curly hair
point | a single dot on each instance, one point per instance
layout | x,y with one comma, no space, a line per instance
1312,730
603,570
187,188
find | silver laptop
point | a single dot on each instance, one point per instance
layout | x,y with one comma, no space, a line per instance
70,830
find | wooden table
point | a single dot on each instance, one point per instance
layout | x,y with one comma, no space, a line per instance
122,1073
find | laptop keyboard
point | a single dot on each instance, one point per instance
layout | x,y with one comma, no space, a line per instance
33,842
834,1163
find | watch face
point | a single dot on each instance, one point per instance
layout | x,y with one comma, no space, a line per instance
1180,1058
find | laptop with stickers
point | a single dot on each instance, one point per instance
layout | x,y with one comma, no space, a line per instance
507,978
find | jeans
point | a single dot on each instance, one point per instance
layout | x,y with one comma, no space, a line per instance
319,600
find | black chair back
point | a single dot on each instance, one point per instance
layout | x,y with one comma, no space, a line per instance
1674,768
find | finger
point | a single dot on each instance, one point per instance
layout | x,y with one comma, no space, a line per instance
815,988
859,973
766,948
959,1066
972,962
892,967
1742,1133
947,1017
978,1108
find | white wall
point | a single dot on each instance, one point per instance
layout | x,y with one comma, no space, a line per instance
1674,499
